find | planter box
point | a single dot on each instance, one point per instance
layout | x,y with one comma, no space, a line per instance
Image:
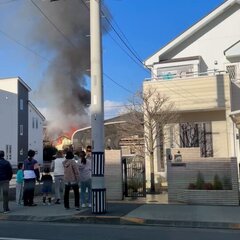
179,177
210,197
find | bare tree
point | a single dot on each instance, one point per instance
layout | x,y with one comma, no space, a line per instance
150,112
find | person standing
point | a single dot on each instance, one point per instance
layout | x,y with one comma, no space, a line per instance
58,173
5,177
31,174
89,152
85,179
71,179
47,181
19,184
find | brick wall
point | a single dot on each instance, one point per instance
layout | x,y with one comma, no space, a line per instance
181,174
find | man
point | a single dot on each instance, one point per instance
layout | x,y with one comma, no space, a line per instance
5,177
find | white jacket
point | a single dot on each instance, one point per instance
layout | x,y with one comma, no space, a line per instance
58,167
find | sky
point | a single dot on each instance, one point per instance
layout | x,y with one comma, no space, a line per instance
144,25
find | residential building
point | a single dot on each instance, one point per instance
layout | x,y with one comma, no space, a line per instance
20,121
116,136
200,72
35,131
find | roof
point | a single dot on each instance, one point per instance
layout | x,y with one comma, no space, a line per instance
180,59
233,51
36,110
19,80
192,30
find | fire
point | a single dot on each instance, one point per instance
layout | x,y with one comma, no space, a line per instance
64,138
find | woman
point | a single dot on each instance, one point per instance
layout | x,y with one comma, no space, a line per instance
85,179
71,179
31,174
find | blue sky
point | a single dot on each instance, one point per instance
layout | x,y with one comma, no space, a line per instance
147,24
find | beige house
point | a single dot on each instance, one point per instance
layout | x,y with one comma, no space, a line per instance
200,72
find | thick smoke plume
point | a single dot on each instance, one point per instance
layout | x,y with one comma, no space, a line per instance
58,34
63,30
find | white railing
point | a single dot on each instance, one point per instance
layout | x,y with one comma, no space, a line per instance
171,76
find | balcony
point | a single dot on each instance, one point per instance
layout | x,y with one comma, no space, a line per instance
194,93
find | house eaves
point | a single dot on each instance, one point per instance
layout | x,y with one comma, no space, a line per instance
189,32
24,84
233,51
36,110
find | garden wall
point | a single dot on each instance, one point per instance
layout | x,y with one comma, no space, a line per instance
180,175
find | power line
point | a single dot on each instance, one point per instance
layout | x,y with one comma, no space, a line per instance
22,45
53,24
69,41
126,45
137,62
118,84
125,37
9,1
138,59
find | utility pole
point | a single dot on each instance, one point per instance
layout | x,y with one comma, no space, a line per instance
97,111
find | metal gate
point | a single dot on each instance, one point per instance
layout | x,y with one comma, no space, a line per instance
134,184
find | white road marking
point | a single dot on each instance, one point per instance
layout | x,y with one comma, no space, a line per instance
2,238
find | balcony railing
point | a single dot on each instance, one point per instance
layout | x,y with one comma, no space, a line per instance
171,76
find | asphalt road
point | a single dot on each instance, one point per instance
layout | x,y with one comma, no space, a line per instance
56,231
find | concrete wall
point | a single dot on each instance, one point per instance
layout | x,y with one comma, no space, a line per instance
194,94
113,174
181,174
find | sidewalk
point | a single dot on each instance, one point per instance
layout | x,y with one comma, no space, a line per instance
139,212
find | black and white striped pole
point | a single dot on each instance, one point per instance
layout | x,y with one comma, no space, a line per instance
97,111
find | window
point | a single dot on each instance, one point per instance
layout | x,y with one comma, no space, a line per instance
9,152
21,152
33,122
36,123
197,135
189,135
21,130
21,104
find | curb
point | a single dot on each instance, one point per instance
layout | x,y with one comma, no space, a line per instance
28,218
183,224
121,220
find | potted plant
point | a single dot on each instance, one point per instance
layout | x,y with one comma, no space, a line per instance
133,185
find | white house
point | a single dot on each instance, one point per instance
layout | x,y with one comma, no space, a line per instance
200,72
35,131
21,124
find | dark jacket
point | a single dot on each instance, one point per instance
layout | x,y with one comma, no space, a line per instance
5,170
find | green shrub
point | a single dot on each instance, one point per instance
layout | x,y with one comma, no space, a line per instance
217,184
200,181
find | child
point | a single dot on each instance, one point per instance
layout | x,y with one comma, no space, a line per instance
47,181
19,184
